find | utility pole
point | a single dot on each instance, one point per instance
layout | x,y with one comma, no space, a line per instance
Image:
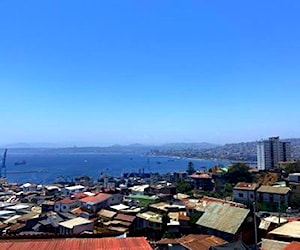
255,226
279,210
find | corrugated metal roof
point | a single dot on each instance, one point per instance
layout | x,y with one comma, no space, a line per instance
273,190
134,243
290,229
246,186
118,229
117,222
200,176
97,198
150,216
223,217
264,225
119,207
194,241
125,217
74,222
204,244
67,200
76,187
12,219
268,244
106,213
292,246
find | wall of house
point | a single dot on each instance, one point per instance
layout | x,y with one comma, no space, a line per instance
115,199
294,178
243,196
64,207
270,202
141,223
65,230
67,192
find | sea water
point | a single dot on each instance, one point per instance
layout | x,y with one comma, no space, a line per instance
46,167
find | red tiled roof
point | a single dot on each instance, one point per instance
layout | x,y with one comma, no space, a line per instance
67,200
97,198
125,217
134,243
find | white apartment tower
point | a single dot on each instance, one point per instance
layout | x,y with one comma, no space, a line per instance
270,152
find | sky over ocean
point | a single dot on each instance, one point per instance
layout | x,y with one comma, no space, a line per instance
105,72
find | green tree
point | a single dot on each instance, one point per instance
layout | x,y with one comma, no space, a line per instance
191,168
239,172
194,217
293,167
183,186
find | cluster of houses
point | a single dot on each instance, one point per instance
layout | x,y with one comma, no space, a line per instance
255,214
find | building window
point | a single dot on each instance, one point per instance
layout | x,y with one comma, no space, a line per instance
271,198
241,195
251,196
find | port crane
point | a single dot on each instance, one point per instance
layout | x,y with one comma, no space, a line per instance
3,165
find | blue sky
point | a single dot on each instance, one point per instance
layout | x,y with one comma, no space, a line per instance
104,72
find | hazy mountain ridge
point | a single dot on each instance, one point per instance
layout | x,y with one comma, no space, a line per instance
243,151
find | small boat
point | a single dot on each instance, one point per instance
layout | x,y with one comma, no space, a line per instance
20,163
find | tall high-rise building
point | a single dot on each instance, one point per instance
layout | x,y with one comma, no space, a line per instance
272,151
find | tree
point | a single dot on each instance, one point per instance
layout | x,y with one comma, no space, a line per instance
194,217
183,187
191,168
293,167
239,172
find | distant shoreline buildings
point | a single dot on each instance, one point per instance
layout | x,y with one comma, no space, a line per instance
272,151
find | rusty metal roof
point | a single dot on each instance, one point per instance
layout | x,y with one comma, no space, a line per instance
246,186
134,243
194,241
125,217
67,200
223,217
204,244
292,246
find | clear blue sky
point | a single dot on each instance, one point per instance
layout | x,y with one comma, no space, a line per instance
102,72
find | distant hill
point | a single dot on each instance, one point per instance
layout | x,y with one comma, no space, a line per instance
30,145
184,145
243,151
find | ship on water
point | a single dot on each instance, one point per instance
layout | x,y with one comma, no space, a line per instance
20,163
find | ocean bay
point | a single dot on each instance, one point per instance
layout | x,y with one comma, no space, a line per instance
44,168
